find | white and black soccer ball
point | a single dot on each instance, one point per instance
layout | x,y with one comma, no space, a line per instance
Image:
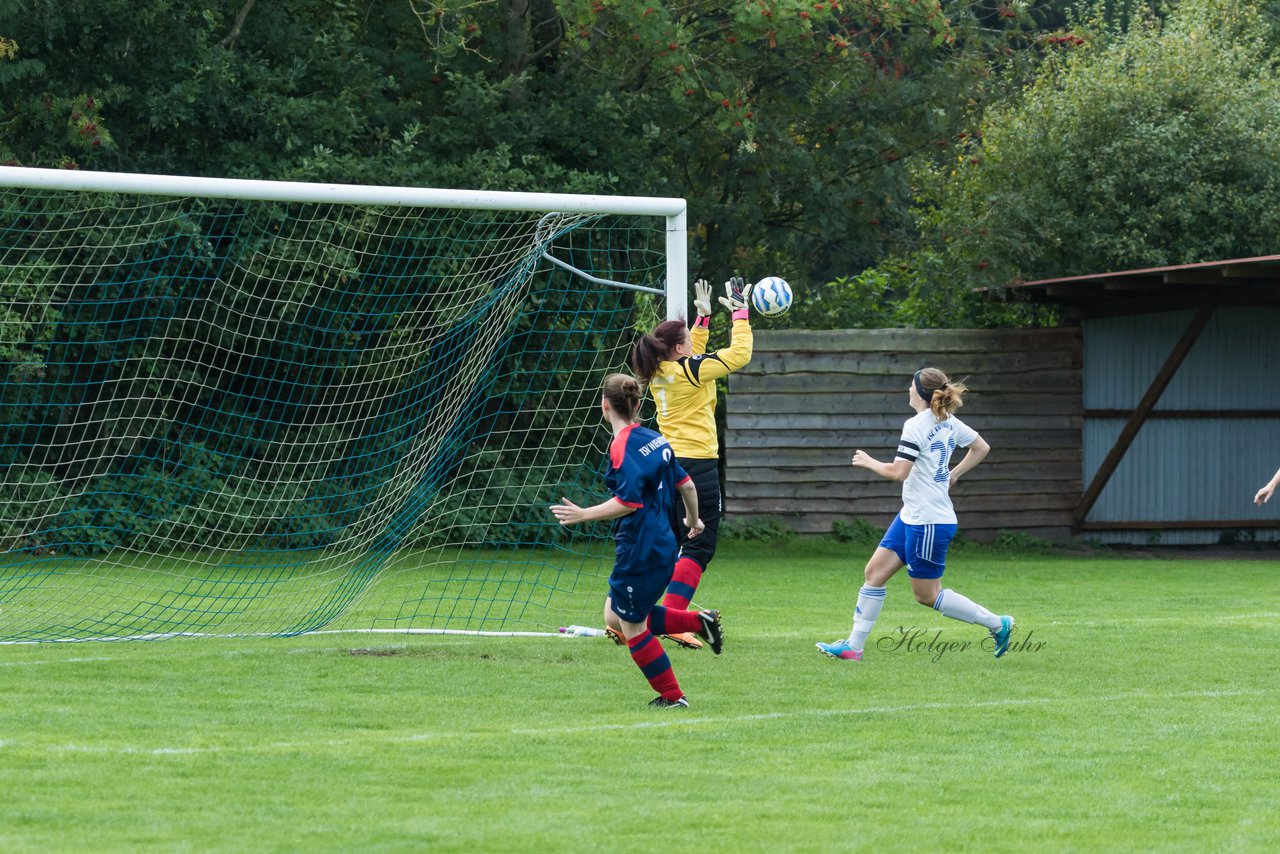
771,296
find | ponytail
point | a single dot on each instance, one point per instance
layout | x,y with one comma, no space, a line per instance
653,349
942,395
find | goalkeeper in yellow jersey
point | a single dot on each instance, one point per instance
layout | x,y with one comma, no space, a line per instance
681,375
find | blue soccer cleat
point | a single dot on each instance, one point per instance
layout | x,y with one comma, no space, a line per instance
839,649
1001,635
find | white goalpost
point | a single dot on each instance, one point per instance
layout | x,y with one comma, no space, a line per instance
252,407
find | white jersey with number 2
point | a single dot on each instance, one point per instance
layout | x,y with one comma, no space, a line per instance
929,443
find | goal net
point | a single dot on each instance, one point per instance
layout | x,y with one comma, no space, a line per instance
243,408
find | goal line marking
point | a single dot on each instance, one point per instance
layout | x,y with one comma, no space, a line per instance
175,635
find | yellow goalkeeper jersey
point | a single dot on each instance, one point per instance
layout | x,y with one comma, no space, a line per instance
684,391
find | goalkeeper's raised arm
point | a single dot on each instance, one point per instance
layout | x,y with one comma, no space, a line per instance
681,376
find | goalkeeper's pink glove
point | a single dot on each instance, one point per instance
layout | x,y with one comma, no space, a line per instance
737,297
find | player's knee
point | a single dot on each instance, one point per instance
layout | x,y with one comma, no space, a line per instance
876,576
699,552
926,597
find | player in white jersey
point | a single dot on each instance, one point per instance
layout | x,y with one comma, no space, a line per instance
921,532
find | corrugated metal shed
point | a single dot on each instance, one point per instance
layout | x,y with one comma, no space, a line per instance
1234,364
1203,342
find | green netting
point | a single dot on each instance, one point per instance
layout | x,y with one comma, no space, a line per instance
246,417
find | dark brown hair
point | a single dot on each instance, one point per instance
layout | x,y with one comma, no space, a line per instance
624,395
942,395
655,348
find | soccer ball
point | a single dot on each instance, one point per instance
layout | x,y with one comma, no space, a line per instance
771,296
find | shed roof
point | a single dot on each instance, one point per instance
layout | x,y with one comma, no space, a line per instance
1238,281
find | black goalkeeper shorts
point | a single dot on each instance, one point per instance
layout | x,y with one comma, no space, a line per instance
706,479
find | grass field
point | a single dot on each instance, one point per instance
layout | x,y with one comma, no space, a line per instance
1139,714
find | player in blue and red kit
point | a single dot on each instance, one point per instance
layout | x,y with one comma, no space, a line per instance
644,477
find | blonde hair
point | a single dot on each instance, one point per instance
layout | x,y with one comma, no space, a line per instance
942,395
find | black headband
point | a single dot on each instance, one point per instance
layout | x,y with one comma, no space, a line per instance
925,396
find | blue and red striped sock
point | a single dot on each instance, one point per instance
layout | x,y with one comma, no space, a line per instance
673,621
684,583
652,660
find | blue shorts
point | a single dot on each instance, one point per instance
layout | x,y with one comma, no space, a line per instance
634,594
923,548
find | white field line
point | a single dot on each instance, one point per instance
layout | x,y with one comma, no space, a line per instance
465,633
174,635
1206,620
225,653
892,710
55,661
1266,615
668,720
1199,619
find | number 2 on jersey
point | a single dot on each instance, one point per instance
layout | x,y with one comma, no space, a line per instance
944,450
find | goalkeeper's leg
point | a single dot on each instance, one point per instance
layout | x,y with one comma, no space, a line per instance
695,554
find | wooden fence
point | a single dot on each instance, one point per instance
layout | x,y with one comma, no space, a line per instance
808,399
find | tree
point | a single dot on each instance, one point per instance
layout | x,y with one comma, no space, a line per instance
170,86
786,124
1132,149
